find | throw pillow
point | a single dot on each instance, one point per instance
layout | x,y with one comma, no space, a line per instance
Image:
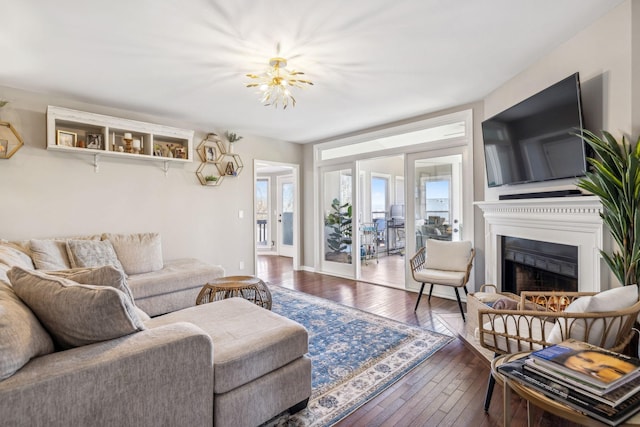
49,254
450,256
101,276
76,314
610,300
11,255
92,253
138,253
22,337
107,275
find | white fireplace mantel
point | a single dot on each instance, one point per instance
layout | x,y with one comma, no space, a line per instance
566,220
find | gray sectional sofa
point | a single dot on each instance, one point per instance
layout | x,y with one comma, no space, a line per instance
110,335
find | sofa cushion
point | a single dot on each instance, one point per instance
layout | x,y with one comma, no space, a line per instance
609,300
92,253
22,337
445,255
11,254
138,253
76,314
49,254
249,341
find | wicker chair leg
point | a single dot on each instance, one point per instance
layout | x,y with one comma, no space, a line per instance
430,291
465,290
460,304
419,296
487,399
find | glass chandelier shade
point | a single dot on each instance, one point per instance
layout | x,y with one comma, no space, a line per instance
274,85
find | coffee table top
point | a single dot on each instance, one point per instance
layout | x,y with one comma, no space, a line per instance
250,288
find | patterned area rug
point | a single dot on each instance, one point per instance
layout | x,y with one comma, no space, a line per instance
355,355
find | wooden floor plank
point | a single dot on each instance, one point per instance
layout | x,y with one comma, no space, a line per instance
446,390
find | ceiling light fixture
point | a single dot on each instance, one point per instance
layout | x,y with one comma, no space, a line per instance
274,85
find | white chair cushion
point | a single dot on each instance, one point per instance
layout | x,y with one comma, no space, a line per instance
445,255
440,277
516,325
610,300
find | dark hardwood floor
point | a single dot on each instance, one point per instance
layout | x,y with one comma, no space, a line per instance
447,390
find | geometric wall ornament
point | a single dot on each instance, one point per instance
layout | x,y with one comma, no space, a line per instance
10,140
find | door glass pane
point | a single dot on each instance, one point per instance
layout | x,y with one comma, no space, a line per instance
287,213
379,197
262,212
439,199
338,212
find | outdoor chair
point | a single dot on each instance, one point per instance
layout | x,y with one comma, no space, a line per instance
443,263
603,319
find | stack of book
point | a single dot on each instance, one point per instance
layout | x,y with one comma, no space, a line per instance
598,383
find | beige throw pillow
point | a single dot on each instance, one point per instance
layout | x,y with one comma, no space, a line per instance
107,275
138,253
49,254
101,276
92,253
22,337
449,256
11,255
76,314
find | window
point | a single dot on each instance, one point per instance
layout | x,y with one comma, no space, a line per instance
379,191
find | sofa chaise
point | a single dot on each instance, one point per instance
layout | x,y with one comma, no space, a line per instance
77,348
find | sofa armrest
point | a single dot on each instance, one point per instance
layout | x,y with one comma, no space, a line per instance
160,376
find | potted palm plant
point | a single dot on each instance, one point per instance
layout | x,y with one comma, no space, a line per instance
615,179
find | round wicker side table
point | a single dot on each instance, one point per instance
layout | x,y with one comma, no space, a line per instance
248,287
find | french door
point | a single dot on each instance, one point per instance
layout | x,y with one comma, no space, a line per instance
286,206
337,223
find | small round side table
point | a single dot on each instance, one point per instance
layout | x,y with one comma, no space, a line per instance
248,287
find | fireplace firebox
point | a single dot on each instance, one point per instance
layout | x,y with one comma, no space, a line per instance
531,265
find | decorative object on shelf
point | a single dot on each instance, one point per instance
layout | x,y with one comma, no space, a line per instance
211,179
232,138
94,141
615,179
67,139
128,142
274,83
230,170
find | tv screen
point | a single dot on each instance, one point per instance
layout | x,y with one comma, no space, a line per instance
534,140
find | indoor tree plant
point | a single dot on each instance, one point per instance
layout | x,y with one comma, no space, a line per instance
615,179
339,219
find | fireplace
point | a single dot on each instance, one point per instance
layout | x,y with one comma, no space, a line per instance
571,221
533,265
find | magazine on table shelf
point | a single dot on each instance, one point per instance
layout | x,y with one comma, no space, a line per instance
571,396
596,368
613,397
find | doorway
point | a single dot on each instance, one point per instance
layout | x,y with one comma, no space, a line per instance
276,215
381,221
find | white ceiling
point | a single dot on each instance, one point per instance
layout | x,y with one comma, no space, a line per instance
372,61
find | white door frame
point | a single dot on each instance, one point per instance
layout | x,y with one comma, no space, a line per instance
295,173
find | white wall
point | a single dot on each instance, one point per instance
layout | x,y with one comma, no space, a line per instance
48,194
601,53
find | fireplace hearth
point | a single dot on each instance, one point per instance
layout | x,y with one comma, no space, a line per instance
531,265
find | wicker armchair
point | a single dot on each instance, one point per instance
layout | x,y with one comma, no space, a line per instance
539,317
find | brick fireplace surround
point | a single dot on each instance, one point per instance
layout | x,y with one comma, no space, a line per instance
566,220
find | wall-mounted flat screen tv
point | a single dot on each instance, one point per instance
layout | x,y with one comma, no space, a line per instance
535,140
